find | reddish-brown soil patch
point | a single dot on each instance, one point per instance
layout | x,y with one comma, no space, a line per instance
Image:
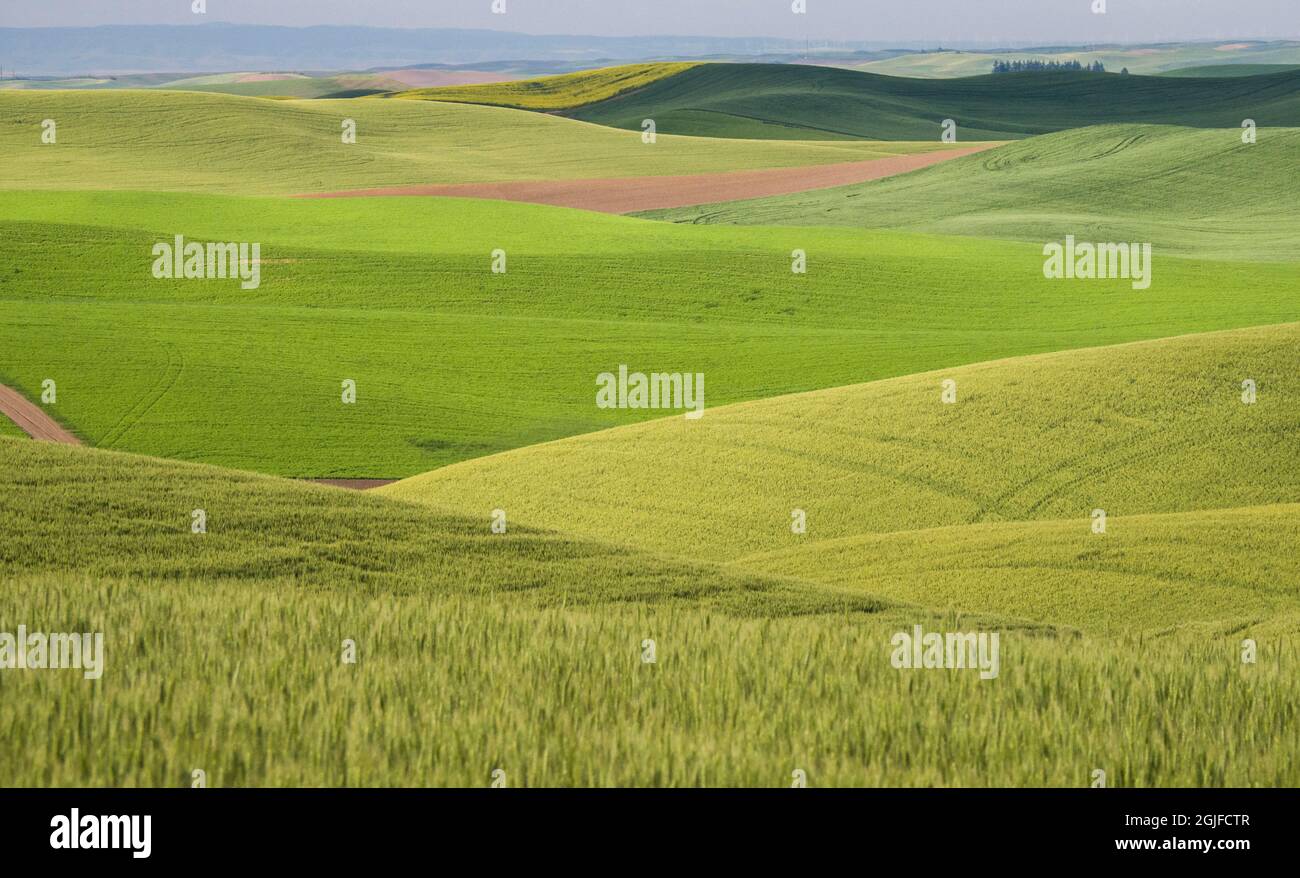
354,484
630,194
439,78
269,77
32,419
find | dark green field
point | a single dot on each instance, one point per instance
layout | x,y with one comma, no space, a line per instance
805,103
1225,71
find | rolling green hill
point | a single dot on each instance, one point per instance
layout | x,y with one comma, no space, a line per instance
1184,190
563,92
805,103
195,142
288,86
1140,574
525,652
1223,71
1149,428
453,361
302,535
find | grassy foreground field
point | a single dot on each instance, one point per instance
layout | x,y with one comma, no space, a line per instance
1186,190
454,362
805,103
468,663
193,142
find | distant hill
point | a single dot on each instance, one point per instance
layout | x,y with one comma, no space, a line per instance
78,51
215,47
797,102
566,92
1147,59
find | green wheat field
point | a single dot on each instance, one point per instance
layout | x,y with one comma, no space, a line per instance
1106,477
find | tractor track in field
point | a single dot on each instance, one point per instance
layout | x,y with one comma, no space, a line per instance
166,381
31,419
632,194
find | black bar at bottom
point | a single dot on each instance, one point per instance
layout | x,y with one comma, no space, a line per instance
621,827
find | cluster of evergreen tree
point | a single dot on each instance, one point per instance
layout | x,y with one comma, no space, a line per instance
1000,66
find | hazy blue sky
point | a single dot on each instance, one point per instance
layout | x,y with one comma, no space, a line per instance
925,21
